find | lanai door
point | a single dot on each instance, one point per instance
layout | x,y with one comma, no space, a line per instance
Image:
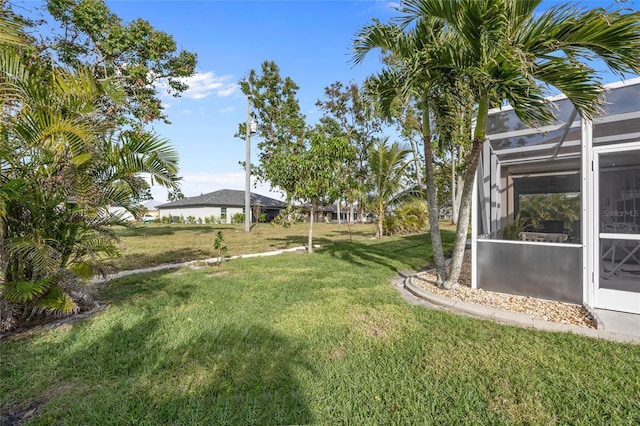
617,218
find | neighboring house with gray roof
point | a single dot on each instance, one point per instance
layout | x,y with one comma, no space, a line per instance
222,205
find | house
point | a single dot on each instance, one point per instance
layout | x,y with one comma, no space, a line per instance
329,213
150,208
222,205
568,195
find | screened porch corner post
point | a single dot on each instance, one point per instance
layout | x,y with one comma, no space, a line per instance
588,219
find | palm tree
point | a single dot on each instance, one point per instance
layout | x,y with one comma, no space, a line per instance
387,164
62,163
410,80
504,52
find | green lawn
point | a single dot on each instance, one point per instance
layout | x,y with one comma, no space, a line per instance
308,339
156,243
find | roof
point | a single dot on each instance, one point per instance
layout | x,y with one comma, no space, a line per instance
151,204
224,198
514,142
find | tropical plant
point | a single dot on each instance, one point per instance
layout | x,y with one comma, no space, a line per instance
406,90
512,230
504,51
409,217
221,248
387,164
62,164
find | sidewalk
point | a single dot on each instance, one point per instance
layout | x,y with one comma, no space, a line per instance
616,326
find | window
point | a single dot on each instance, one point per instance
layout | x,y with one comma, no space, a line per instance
223,213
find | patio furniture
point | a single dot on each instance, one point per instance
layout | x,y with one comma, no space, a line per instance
549,237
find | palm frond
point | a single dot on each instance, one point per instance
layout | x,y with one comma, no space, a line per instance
55,302
25,291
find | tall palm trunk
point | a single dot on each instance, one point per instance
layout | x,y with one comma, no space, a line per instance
466,197
432,200
454,188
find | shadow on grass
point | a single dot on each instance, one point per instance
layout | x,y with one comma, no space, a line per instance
227,375
158,286
297,240
162,229
411,251
138,261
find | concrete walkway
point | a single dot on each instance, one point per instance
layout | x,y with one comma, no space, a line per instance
616,326
211,261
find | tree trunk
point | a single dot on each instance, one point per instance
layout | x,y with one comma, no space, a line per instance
432,201
312,211
467,193
454,187
380,220
463,216
338,209
458,199
416,162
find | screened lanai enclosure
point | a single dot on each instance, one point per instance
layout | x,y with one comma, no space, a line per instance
557,209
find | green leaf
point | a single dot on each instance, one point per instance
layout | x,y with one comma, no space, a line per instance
25,291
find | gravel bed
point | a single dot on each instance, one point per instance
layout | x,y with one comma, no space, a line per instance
565,313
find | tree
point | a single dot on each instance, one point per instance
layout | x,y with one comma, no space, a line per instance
355,117
281,126
317,168
503,52
387,164
140,57
406,88
63,162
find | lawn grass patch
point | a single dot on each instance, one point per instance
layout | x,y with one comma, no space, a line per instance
157,243
309,339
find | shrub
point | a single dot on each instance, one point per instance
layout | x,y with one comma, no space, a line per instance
237,218
410,216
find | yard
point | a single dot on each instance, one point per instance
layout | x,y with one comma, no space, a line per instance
306,339
156,243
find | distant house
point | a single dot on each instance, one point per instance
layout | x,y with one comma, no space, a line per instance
151,208
329,214
222,205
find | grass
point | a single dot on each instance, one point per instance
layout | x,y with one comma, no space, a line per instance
155,243
308,339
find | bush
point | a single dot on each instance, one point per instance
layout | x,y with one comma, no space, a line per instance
410,216
237,218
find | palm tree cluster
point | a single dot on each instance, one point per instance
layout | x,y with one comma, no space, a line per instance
63,161
447,58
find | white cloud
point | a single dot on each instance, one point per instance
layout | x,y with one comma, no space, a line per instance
202,85
228,109
194,184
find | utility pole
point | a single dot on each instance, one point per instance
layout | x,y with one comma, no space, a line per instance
247,166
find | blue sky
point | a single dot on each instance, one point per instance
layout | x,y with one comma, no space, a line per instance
309,40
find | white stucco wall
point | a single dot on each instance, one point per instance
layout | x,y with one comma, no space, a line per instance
200,212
